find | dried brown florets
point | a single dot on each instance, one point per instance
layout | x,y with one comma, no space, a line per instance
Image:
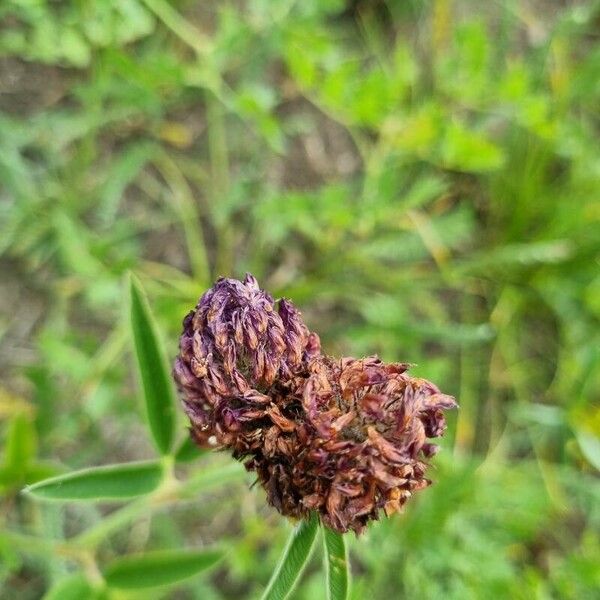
360,445
346,438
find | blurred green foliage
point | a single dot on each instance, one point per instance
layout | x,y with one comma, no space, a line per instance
421,177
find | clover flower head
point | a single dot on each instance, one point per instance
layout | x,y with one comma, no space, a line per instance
348,438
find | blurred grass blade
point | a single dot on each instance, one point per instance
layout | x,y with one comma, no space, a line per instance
206,479
180,26
21,443
202,481
72,587
42,470
100,483
295,556
124,169
337,568
158,568
154,374
183,202
74,241
590,447
517,256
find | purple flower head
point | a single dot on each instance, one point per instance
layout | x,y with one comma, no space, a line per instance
235,344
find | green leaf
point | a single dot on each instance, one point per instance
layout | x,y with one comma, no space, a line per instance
337,568
100,483
590,447
72,587
154,374
295,556
470,151
188,451
158,568
21,443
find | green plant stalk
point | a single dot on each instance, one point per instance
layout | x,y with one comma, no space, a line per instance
52,526
466,421
187,33
511,354
170,491
42,546
115,521
168,486
209,78
219,168
111,349
188,216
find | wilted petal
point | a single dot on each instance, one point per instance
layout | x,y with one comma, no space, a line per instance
282,422
383,475
385,448
256,397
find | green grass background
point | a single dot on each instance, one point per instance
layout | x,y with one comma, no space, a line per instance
422,178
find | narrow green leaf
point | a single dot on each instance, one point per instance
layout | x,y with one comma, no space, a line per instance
72,587
337,568
154,373
100,483
295,556
158,568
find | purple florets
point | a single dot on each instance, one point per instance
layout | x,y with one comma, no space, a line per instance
344,437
